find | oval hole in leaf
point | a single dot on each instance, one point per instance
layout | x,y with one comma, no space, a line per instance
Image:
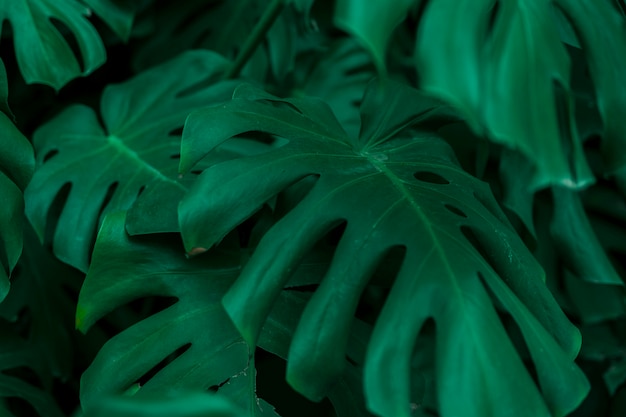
49,155
69,37
493,16
176,132
430,177
56,208
158,367
455,210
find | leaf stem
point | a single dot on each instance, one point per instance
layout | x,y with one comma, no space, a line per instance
256,37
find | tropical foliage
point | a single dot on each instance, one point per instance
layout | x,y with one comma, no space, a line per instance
312,208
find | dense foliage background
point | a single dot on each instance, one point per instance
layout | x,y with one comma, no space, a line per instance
312,208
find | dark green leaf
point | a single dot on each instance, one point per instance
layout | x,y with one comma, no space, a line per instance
133,152
402,191
577,241
127,268
504,67
39,292
16,167
43,52
605,51
16,354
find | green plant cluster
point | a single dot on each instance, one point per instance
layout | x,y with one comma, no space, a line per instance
312,208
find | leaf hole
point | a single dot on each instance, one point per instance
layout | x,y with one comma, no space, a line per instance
49,155
54,213
178,131
161,365
71,40
215,388
430,177
455,210
493,16
564,116
309,288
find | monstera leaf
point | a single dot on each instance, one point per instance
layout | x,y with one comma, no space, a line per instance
43,53
391,188
133,157
208,350
16,168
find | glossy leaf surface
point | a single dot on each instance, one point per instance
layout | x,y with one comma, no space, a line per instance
392,189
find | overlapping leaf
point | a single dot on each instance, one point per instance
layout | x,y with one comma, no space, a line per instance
16,167
128,268
15,356
391,190
338,76
39,297
43,53
219,25
132,156
119,15
504,65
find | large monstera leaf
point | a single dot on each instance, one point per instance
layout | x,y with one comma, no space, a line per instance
16,167
208,350
42,49
131,158
392,188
